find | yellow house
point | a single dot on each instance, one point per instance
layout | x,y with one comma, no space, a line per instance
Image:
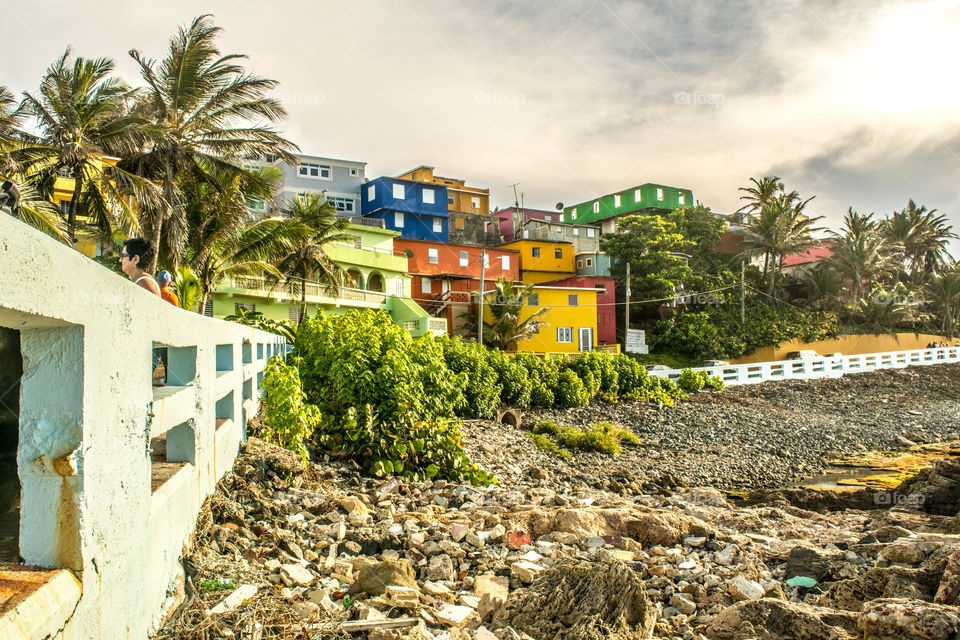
460,197
571,319
63,197
544,260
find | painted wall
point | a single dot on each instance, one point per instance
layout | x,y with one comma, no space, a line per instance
547,262
343,183
512,219
460,197
560,314
87,410
593,264
474,228
846,345
633,200
606,308
582,237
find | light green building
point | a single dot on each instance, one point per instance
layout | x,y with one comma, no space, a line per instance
646,198
378,280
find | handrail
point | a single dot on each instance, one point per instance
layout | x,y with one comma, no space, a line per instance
821,367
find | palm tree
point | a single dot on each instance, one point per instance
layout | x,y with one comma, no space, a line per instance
761,194
306,261
921,238
860,252
882,309
781,229
29,207
824,287
944,290
507,329
81,111
206,113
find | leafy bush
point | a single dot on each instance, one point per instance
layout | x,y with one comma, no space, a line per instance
513,378
714,382
481,390
386,399
692,381
597,371
287,419
544,374
546,444
570,390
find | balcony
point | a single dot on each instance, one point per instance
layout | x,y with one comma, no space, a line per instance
255,286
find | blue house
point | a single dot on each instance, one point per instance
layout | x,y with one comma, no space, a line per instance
417,210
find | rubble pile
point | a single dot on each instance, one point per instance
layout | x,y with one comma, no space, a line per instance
324,551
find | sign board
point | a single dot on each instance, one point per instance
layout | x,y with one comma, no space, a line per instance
637,341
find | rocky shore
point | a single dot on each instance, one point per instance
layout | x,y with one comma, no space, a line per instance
599,546
769,435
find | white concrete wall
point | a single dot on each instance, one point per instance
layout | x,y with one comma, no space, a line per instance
821,367
87,416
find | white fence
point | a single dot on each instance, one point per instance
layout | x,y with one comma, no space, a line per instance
113,470
822,367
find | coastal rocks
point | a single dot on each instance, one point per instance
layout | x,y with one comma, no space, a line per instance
812,563
949,590
375,578
770,619
581,599
881,582
935,490
908,620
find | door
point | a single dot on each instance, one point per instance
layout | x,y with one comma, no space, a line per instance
586,339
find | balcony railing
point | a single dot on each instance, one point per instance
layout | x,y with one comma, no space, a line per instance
314,291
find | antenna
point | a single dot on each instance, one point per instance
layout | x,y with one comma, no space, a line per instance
516,198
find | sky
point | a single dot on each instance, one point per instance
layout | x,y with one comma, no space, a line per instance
853,102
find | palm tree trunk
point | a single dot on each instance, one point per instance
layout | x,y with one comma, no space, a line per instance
163,212
74,205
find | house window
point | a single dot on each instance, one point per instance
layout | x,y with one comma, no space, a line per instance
637,196
450,199
487,227
464,258
413,176
354,173
475,203
486,260
311,170
257,204
573,214
371,192
590,233
601,289
536,252
558,253
659,194
596,206
579,264
572,300
548,218
589,262
426,285
505,263
437,225
433,256
398,220
343,204
533,299
428,196
398,192
576,231
564,334
682,198
616,200
398,287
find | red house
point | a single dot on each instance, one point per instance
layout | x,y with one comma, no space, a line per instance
445,274
606,303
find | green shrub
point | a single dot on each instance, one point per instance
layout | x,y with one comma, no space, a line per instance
600,436
287,419
570,390
513,378
544,374
386,399
692,381
715,382
481,390
631,376
597,371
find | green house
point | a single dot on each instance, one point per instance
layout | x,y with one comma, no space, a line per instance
378,279
647,198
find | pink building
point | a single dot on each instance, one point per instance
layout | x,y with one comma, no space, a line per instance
512,219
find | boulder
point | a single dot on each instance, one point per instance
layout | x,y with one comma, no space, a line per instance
935,489
578,598
812,563
948,592
908,620
882,582
375,578
769,619
904,553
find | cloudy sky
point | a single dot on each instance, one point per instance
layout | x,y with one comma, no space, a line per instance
856,103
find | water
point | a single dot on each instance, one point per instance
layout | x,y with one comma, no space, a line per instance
830,479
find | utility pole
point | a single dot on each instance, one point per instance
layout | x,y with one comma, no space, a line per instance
743,310
626,312
483,270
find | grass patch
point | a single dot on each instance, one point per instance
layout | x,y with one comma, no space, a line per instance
604,437
672,360
544,443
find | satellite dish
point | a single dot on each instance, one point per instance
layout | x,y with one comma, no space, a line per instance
559,206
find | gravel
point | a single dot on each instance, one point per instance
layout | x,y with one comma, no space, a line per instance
762,436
